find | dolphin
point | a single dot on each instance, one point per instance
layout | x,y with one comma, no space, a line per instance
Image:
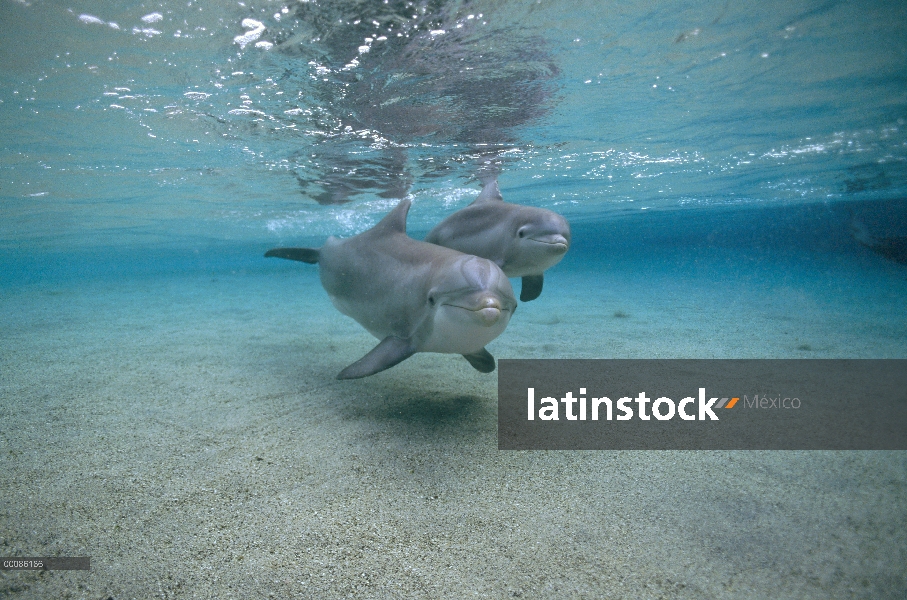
523,240
411,295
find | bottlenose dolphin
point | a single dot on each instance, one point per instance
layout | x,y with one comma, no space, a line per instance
411,295
523,240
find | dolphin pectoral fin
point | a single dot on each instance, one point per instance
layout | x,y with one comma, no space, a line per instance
389,352
482,361
532,287
306,255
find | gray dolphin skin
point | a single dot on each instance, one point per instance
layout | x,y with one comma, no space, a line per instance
411,295
523,240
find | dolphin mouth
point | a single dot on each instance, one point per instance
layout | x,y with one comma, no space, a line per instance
488,311
557,241
489,316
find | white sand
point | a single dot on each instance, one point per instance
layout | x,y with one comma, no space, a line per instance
188,434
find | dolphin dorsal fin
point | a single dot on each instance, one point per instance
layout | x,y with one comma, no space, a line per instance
490,192
395,220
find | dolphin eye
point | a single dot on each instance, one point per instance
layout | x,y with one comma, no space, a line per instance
521,232
431,300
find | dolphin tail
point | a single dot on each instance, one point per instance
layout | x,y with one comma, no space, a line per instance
532,287
481,361
306,255
390,351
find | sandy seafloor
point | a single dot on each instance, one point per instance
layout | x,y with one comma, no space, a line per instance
182,426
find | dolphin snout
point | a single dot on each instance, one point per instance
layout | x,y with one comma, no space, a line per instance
489,311
558,242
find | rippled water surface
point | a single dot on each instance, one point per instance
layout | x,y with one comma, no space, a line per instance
252,121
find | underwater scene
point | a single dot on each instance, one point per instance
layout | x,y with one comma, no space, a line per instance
517,179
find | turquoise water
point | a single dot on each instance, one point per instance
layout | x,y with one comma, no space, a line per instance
166,131
725,167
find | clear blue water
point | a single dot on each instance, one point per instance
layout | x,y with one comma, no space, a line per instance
715,160
151,125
